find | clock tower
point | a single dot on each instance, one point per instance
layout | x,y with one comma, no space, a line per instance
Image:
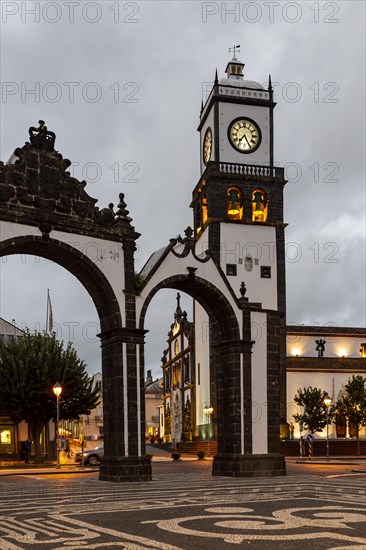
238,216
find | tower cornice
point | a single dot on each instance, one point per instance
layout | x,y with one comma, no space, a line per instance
243,100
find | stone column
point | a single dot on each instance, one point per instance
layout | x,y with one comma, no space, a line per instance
121,461
230,461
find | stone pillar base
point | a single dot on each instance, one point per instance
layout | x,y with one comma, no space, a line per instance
230,465
125,468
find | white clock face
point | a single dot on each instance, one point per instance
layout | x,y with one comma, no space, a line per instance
244,135
207,146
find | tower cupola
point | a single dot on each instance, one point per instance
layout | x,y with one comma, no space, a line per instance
235,69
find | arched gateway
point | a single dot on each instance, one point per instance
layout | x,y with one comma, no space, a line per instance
232,263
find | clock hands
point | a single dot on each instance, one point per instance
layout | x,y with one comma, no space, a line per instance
246,139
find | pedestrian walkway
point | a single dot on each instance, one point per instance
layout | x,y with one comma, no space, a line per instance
70,466
181,511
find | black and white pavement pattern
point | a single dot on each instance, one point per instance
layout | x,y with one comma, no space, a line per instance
183,511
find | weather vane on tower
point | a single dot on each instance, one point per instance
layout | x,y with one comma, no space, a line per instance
234,49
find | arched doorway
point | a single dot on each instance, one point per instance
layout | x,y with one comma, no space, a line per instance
226,347
246,447
46,212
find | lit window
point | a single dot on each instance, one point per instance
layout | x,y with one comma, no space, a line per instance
259,206
234,206
201,213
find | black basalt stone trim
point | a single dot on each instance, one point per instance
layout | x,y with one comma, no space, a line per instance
257,465
122,469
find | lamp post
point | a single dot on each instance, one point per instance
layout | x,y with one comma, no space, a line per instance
57,389
301,439
208,410
327,401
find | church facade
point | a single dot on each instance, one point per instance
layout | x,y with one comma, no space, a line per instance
325,357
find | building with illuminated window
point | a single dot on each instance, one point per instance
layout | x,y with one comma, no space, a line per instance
153,407
179,396
326,358
11,433
323,357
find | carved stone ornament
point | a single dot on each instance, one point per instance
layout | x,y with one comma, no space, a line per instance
36,188
41,138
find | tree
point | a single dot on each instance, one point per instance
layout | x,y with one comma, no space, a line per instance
314,416
29,368
352,404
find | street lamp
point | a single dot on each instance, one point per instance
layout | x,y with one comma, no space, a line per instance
57,389
327,401
208,410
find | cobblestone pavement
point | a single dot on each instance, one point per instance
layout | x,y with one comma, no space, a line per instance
182,511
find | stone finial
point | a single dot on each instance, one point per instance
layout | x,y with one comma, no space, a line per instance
189,232
122,212
242,289
41,138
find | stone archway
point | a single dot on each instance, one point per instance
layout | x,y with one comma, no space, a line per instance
227,346
77,263
245,448
46,212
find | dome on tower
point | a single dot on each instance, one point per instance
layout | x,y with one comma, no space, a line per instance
241,83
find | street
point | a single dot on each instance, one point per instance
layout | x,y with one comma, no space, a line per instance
184,507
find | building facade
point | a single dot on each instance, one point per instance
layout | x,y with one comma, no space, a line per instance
178,364
153,407
11,433
324,357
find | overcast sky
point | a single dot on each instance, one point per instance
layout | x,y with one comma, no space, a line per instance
121,84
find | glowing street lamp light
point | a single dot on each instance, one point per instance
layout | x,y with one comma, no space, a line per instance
327,402
208,410
57,390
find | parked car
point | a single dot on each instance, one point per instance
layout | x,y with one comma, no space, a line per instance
91,456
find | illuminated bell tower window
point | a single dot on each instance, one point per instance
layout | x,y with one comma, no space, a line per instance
201,212
259,206
204,209
234,207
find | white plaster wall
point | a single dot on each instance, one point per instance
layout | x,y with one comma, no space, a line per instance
107,255
237,241
336,346
259,382
10,230
172,265
261,115
202,358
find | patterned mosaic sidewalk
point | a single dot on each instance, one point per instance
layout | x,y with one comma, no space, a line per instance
177,512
